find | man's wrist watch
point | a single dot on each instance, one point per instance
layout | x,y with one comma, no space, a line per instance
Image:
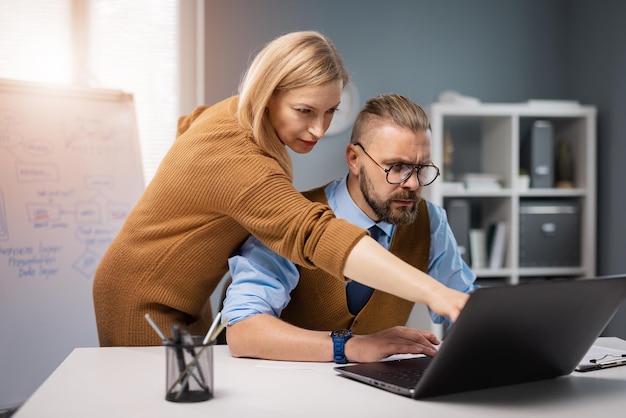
340,337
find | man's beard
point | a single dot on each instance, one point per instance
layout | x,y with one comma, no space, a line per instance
400,216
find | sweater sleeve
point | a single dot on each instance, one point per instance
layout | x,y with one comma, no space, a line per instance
305,232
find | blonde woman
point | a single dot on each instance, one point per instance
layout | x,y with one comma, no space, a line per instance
227,175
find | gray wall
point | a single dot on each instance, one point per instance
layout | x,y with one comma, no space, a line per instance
495,50
596,62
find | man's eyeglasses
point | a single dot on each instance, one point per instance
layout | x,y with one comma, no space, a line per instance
401,172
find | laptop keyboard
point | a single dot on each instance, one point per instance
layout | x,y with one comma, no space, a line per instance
409,376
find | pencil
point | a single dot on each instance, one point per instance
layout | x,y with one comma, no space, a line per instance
214,326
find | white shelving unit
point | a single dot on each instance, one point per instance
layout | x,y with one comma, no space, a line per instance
499,130
494,133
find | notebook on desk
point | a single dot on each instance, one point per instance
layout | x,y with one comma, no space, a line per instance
506,335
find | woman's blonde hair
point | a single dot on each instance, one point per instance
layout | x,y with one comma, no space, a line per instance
294,60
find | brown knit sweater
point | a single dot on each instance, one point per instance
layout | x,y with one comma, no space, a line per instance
213,188
319,300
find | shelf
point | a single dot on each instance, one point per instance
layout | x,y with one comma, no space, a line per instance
487,272
478,193
551,272
553,193
506,192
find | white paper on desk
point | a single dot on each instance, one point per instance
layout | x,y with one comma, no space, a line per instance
600,354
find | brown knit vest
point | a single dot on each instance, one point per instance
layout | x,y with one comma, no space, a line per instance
319,300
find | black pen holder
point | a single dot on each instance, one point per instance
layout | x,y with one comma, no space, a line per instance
189,371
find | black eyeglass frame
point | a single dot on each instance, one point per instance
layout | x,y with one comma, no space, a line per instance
416,169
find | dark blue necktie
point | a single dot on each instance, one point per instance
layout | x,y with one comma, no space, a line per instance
358,294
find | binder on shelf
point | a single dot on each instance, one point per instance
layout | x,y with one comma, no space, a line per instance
458,212
496,243
478,248
538,155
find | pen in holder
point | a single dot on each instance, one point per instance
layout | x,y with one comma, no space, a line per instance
188,362
189,368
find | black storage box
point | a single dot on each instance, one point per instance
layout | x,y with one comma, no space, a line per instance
549,233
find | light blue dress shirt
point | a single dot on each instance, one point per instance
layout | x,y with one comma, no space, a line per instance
262,280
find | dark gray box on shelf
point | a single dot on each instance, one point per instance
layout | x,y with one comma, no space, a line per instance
549,233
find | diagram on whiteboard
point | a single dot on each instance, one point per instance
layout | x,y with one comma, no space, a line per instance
67,171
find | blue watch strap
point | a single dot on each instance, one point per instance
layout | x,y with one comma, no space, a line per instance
339,342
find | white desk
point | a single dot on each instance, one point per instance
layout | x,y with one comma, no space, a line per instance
130,382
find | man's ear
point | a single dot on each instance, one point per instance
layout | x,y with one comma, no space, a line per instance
352,159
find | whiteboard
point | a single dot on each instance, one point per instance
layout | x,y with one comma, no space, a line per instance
70,171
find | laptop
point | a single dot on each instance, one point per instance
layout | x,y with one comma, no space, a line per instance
506,335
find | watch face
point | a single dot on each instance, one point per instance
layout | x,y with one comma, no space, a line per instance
341,333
